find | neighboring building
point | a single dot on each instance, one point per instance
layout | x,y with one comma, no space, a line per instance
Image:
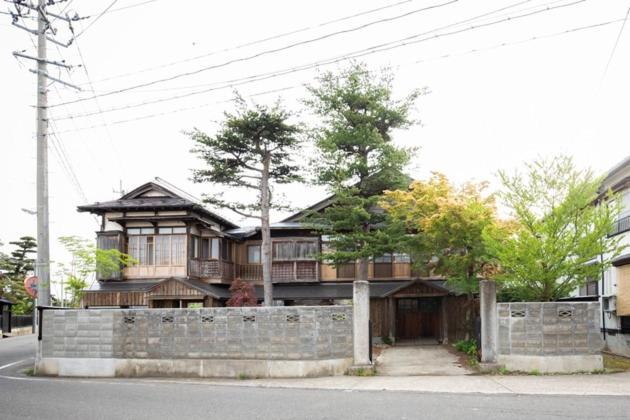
188,256
613,288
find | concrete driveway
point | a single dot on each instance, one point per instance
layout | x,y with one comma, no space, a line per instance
418,360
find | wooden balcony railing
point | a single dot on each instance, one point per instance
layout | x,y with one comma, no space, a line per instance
212,269
281,271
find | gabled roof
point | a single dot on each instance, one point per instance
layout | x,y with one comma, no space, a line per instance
320,205
154,196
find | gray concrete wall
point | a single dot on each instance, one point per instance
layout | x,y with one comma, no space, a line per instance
550,336
237,334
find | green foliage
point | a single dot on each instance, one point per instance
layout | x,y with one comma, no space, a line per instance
88,260
561,233
356,158
448,224
249,142
14,268
386,340
469,347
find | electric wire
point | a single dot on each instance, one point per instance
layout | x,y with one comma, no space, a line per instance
445,56
348,56
260,54
255,42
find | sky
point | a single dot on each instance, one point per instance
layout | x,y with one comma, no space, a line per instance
506,81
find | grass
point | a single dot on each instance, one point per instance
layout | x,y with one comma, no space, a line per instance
243,376
29,372
616,363
361,372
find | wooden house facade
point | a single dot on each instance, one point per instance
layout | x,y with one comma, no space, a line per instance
188,256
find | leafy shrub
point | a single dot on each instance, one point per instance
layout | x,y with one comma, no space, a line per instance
467,346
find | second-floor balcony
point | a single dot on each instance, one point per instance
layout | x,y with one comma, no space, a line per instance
621,225
212,269
281,271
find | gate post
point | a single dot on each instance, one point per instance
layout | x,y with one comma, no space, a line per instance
489,321
360,323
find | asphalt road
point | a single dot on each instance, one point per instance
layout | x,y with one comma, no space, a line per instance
23,397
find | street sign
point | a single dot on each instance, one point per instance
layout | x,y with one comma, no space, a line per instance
30,284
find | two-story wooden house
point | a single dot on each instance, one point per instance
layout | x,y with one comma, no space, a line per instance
188,256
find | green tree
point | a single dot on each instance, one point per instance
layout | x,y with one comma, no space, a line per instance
357,159
15,268
562,239
87,261
252,151
446,228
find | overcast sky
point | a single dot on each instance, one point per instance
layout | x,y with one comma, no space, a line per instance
498,97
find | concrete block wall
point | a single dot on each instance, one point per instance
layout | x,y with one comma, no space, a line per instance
549,329
276,333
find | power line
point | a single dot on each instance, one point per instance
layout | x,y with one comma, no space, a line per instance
190,108
522,41
266,52
445,56
92,22
98,105
356,54
612,53
255,42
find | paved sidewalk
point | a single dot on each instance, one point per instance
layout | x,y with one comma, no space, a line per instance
605,384
418,360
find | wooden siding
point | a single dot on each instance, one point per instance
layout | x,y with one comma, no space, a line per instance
90,299
623,290
346,272
379,315
455,310
173,288
419,290
154,271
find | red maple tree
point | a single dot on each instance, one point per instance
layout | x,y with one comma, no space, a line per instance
243,294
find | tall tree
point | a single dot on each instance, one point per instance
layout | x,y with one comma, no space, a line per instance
16,267
357,158
446,228
87,261
562,238
252,151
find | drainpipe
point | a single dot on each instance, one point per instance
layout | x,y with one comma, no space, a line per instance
601,293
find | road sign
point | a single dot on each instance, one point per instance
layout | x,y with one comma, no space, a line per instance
30,284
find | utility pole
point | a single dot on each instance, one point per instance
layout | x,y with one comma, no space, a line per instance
23,9
43,233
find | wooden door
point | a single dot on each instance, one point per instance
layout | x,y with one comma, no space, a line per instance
417,318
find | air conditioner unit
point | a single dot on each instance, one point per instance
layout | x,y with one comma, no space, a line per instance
609,303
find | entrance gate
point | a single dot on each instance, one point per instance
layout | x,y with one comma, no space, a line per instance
418,318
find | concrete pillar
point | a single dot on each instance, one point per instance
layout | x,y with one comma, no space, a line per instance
360,320
489,321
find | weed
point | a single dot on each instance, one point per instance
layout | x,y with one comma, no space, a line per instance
503,371
386,340
242,376
29,372
534,372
